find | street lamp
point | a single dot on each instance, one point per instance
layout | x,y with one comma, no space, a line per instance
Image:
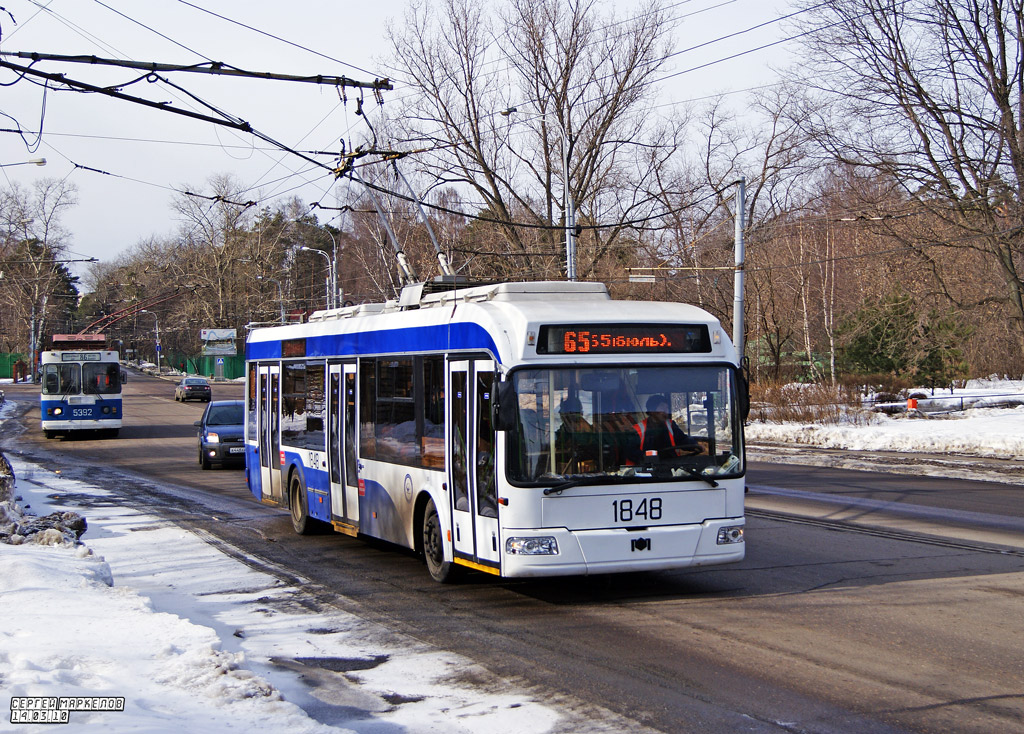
30,162
280,293
156,321
334,266
330,272
567,203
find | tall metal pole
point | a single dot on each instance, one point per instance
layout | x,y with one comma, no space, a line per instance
327,280
32,345
567,202
280,293
570,212
156,328
737,307
334,269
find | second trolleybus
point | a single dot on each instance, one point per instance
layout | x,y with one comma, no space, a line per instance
507,428
80,386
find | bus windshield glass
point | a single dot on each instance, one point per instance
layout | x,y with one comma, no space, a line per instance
630,423
62,379
101,378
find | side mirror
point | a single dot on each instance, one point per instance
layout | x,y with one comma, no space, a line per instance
198,424
743,391
503,405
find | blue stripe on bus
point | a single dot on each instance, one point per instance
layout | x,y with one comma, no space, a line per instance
460,336
80,412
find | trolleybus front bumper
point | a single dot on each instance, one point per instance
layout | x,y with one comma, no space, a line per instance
619,550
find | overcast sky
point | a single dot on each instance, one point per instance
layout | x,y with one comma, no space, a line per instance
146,155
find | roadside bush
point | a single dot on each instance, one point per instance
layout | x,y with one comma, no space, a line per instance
776,402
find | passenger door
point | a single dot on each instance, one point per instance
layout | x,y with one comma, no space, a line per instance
471,472
269,431
341,444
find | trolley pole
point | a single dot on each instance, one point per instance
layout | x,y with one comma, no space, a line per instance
737,308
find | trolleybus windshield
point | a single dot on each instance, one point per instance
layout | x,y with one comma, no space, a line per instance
631,423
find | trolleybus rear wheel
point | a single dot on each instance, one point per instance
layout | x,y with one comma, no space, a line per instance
297,504
433,547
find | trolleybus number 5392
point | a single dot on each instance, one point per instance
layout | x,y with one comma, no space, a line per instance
630,510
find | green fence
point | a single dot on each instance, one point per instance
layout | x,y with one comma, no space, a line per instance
7,360
233,367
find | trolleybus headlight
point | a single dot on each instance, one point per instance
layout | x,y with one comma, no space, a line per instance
106,410
544,546
56,411
732,534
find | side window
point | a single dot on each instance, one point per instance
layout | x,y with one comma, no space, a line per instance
293,403
432,440
395,418
303,405
316,406
251,384
401,411
367,403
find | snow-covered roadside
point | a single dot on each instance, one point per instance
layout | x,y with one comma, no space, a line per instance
186,635
939,427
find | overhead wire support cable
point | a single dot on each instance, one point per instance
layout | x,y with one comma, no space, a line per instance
225,120
211,67
112,92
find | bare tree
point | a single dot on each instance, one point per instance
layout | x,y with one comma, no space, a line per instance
35,286
929,94
560,74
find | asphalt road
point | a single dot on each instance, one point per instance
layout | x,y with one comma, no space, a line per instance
902,615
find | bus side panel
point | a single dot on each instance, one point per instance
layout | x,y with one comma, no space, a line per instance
314,480
379,517
387,500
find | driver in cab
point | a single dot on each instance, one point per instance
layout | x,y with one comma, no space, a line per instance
658,431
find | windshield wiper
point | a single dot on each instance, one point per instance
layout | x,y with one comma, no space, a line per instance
579,481
697,474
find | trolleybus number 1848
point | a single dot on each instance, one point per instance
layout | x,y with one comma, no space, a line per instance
649,508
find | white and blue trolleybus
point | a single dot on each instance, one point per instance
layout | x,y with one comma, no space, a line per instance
520,429
80,386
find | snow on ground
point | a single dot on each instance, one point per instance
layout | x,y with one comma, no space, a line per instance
939,426
195,640
184,633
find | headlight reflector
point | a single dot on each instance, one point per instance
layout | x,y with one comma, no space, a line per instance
542,546
731,534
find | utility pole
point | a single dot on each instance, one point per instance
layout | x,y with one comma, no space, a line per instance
570,213
567,203
737,306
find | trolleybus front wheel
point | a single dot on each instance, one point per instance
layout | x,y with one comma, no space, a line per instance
433,547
